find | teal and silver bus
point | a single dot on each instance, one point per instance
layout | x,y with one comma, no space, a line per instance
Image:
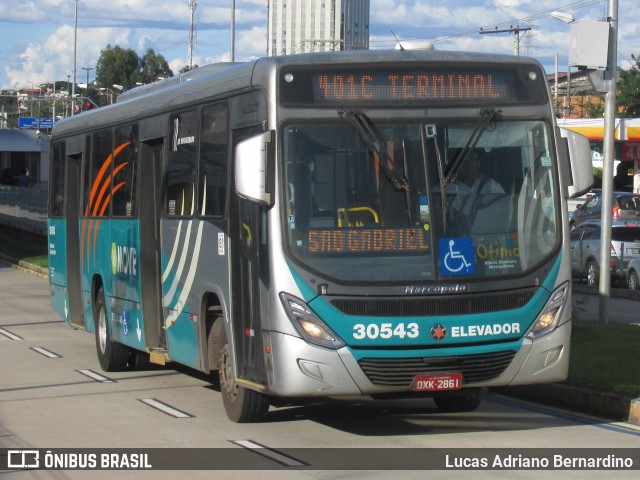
305,226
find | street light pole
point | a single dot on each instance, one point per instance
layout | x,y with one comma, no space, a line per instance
233,31
75,56
607,167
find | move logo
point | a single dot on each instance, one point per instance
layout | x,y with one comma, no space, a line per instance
123,260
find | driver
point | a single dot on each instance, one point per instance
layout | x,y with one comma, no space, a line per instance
473,179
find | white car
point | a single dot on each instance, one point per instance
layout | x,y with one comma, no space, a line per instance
585,250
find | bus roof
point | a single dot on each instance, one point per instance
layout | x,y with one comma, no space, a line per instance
214,80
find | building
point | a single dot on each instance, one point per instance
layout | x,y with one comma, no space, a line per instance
302,26
23,198
22,150
575,96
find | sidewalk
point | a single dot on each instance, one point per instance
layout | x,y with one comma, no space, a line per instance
602,404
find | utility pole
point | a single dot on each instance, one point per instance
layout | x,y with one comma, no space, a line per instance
604,289
88,69
516,35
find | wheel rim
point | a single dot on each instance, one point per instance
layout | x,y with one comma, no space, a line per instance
633,281
227,382
591,274
102,330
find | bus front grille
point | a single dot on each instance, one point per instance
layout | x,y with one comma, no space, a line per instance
399,372
430,306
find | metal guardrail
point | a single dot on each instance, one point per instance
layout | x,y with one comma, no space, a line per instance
24,208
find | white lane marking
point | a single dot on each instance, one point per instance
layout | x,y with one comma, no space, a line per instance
45,352
10,335
95,376
164,408
269,453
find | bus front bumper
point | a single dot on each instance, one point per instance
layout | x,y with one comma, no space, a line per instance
299,369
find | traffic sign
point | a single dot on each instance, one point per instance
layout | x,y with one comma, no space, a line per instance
34,122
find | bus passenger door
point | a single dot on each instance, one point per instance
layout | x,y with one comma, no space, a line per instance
248,271
73,257
150,271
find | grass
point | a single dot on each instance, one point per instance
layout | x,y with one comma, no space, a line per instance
604,358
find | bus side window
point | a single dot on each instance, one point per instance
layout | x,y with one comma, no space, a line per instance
181,165
214,148
125,172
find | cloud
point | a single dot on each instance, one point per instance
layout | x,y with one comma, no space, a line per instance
53,58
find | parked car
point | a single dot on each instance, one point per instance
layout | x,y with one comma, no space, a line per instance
633,274
624,206
585,249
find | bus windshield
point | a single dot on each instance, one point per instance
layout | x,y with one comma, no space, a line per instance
420,202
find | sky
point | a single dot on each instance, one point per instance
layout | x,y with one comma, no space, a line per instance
37,36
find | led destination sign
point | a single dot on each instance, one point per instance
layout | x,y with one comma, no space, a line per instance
341,87
425,85
364,240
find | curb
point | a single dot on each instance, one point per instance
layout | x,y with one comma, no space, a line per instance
25,266
602,404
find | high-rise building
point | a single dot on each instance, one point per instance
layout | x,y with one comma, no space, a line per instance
301,26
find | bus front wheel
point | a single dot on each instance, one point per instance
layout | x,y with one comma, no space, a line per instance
241,404
113,356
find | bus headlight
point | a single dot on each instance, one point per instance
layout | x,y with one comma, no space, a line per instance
551,314
308,324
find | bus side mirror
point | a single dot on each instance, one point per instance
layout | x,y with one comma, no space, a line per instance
578,166
253,168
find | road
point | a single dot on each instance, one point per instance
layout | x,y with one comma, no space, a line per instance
50,398
586,306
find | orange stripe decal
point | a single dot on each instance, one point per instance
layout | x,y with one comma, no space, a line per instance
98,206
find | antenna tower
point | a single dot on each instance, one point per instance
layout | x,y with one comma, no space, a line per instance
192,31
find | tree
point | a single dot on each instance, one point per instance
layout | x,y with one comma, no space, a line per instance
154,66
124,67
118,66
628,87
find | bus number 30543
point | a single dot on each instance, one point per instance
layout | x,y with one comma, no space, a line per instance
385,331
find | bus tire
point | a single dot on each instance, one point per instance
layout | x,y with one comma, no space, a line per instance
138,360
241,404
113,356
464,402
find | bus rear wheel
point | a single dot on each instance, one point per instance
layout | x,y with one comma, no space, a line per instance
241,404
464,402
113,356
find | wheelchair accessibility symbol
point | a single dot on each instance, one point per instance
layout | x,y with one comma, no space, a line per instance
456,256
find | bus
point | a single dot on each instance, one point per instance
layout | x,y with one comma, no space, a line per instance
301,226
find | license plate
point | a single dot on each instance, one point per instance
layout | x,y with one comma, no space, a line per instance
437,383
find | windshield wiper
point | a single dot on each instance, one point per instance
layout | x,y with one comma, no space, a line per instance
367,131
486,116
